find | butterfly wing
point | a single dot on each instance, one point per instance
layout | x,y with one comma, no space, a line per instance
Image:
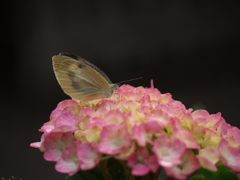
79,80
76,57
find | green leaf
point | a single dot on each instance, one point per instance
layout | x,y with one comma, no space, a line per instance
198,105
222,173
111,169
13,178
116,170
87,175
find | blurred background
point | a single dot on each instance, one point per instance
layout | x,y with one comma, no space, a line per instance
190,48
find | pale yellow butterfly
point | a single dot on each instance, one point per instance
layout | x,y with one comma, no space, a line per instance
80,79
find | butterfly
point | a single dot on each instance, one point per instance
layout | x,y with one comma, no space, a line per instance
80,79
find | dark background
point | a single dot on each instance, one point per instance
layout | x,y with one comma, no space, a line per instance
190,49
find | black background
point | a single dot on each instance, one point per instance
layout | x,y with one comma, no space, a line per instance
190,49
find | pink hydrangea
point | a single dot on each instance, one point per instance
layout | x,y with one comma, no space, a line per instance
189,163
69,162
141,162
142,128
114,139
168,151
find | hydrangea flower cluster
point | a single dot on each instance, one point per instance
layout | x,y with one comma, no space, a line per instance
141,127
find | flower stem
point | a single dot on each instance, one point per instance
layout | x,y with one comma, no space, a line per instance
127,171
157,173
146,177
105,158
170,178
103,168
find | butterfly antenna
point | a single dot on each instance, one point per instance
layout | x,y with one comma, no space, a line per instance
130,80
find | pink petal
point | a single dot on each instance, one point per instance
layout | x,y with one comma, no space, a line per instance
52,154
137,161
168,152
69,167
206,164
47,127
145,132
66,119
126,152
160,117
36,144
189,164
152,163
54,142
187,137
234,133
230,155
114,116
66,103
88,155
58,140
114,139
141,162
208,158
140,170
130,105
55,113
69,162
